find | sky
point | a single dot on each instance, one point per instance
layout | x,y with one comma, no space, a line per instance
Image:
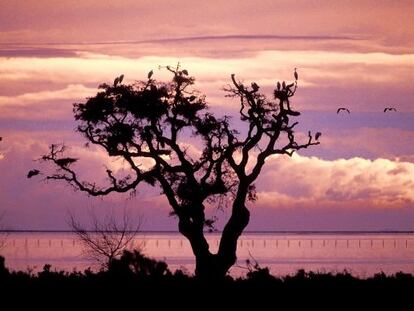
354,54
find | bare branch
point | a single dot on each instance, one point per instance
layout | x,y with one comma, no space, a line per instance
64,172
105,240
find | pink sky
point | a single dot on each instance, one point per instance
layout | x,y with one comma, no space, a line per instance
357,54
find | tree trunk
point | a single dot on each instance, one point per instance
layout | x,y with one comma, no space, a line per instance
238,221
193,231
208,266
231,233
215,266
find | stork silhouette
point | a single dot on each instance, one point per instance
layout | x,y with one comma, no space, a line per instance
33,173
65,162
389,109
118,80
278,85
255,87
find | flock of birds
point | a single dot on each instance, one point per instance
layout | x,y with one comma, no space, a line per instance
347,110
63,162
318,134
35,172
119,79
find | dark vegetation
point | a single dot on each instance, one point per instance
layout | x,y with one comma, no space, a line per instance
135,279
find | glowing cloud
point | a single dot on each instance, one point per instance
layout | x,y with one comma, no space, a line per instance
355,182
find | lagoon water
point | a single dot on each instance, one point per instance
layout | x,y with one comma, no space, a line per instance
362,254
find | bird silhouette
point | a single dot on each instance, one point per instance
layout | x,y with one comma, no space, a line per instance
317,135
33,173
118,80
343,109
389,109
278,85
296,75
150,74
255,87
65,162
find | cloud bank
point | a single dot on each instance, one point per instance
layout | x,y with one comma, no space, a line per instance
311,182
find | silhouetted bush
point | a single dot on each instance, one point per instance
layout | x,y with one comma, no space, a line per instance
135,263
135,276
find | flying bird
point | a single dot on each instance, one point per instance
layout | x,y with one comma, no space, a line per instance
296,75
390,109
317,135
33,173
344,109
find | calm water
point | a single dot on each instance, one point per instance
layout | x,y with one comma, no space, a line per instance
361,254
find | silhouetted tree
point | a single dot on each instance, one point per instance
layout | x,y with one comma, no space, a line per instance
150,120
105,239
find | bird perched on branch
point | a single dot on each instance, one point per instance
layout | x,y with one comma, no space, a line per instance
255,87
296,75
65,162
118,80
389,109
317,135
343,109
